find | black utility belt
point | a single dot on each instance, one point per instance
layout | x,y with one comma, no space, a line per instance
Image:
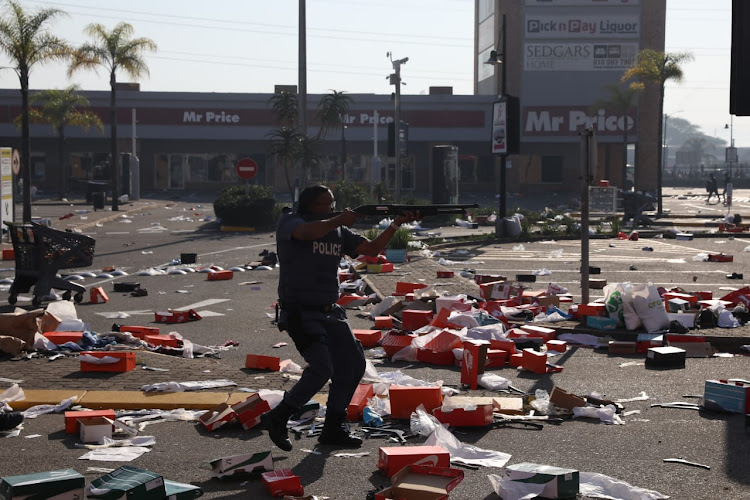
296,306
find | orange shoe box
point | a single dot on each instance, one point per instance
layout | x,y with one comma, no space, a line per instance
9,254
460,417
393,343
125,364
540,331
282,482
162,340
140,331
359,400
368,338
557,345
176,316
383,322
412,319
405,399
259,362
496,358
515,360
404,288
392,459
250,410
98,296
591,309
71,418
220,275
59,338
506,345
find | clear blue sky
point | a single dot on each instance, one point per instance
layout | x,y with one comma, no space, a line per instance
251,45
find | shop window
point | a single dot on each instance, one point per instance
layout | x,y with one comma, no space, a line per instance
552,169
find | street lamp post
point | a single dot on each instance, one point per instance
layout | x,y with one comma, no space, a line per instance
731,153
343,151
498,58
395,79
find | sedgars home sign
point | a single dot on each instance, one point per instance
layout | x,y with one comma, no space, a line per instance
552,121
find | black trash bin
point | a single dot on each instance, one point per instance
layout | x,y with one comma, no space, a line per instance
94,187
98,198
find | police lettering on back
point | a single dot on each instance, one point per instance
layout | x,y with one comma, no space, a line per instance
323,248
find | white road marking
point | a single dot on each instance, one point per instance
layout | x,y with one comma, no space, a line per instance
204,303
141,312
117,232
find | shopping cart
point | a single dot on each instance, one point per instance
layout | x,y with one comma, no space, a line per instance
40,252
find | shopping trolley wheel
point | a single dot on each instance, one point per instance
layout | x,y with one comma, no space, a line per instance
12,299
78,297
66,295
36,301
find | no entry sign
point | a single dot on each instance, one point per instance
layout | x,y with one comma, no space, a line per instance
247,168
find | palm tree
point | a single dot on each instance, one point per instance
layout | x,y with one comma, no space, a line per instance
285,107
284,148
113,50
332,109
656,68
61,108
25,38
621,100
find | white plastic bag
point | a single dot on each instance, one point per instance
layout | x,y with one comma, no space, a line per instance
650,307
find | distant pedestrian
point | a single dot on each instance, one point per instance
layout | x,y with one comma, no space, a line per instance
713,188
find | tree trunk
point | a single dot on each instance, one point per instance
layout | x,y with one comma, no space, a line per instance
114,162
61,156
25,146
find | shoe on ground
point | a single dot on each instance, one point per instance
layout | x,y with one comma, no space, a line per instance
336,435
10,420
275,424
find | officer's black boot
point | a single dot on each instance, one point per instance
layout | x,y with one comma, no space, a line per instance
275,423
335,435
10,420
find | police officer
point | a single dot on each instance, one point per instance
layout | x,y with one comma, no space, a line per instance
310,246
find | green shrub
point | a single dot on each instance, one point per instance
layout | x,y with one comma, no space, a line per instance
350,195
400,239
254,210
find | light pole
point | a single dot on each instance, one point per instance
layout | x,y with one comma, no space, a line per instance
343,151
498,58
731,153
395,79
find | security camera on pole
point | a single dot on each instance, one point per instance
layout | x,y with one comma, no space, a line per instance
395,79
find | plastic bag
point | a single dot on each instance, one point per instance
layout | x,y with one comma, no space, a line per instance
541,402
650,307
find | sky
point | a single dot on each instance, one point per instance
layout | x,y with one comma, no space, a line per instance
251,45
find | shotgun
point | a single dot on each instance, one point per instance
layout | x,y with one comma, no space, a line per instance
424,210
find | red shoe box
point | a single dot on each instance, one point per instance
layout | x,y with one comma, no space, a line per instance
591,309
473,362
423,482
368,338
534,361
506,345
703,295
162,340
392,343
383,322
442,358
220,275
176,316
217,417
414,319
282,482
404,288
516,360
258,362
125,363
557,345
249,411
140,331
9,254
345,277
392,459
59,338
98,296
71,418
445,274
496,358
359,400
540,331
460,417
720,257
405,399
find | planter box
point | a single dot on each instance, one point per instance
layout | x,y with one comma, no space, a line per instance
395,255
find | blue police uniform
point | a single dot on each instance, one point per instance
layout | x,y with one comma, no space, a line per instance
308,291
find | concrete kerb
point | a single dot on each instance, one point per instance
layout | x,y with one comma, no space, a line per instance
115,215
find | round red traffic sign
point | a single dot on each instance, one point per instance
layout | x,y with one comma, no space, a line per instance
247,168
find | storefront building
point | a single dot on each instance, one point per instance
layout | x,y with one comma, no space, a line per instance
560,56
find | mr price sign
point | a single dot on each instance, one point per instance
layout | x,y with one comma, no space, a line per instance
247,168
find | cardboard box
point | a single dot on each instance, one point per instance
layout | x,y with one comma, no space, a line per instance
128,482
720,257
98,296
282,482
445,274
597,283
383,322
404,287
405,399
220,275
9,254
72,417
496,358
217,416
665,357
64,484
392,459
644,341
392,343
557,345
694,349
687,319
359,400
413,319
368,338
499,290
540,331
126,286
125,361
260,362
534,361
462,417
419,482
140,331
591,309
564,399
676,305
181,491
59,338
249,411
512,405
731,395
168,340
240,465
93,429
622,347
473,362
560,483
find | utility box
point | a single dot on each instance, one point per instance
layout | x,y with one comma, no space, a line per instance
444,174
